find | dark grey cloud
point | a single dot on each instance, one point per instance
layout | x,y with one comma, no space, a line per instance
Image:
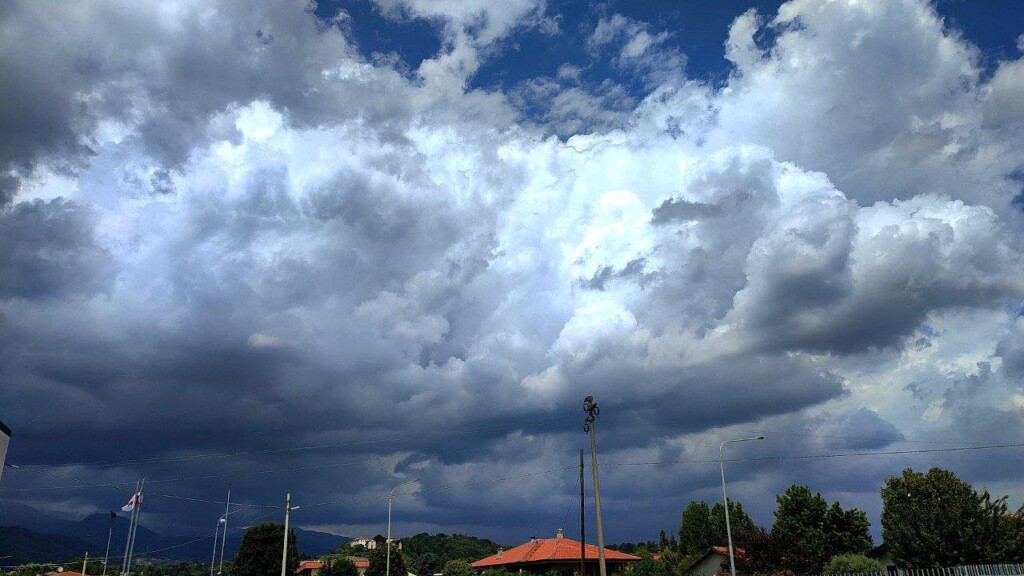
49,250
228,230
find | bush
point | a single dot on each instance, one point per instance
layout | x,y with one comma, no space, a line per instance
457,568
339,566
852,563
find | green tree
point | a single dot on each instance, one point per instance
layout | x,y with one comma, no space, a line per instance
189,569
774,552
95,565
350,549
378,562
457,568
847,531
852,564
424,564
1012,536
339,566
259,553
937,519
647,566
696,534
818,531
448,547
742,526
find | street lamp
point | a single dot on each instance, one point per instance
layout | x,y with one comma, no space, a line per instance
391,496
725,496
223,521
216,532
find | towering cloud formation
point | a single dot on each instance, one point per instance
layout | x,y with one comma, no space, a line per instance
249,229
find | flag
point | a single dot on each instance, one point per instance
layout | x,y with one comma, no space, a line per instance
136,499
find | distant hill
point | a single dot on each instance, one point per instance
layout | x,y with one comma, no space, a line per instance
24,545
73,539
15,514
447,547
93,531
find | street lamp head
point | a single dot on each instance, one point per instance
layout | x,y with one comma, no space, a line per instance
735,440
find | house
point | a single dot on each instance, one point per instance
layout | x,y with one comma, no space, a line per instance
883,555
368,543
312,567
372,543
309,568
361,563
541,555
715,560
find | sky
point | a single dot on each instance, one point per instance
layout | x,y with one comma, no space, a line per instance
327,249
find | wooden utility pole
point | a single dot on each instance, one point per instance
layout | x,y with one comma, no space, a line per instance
590,407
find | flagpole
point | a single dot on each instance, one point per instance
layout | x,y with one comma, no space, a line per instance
110,534
131,523
138,513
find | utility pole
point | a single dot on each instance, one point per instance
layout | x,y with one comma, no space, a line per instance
583,524
224,539
85,562
287,513
590,407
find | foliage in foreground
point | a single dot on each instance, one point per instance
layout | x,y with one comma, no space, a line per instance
259,554
851,564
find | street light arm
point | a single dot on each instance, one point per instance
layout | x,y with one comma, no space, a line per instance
392,494
725,496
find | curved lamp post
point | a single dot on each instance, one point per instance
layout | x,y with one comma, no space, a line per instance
725,496
391,496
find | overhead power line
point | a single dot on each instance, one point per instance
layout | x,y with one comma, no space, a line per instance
818,456
617,464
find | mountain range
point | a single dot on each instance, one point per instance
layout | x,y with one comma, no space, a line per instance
31,535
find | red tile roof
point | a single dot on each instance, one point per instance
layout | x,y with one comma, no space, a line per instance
548,550
360,562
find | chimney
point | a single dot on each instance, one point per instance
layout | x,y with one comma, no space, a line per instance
559,533
501,552
533,539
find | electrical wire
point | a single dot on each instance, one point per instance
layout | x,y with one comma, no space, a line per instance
809,435
819,456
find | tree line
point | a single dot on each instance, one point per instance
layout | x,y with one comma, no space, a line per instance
929,520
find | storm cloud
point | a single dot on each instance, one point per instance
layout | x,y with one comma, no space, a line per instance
226,229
